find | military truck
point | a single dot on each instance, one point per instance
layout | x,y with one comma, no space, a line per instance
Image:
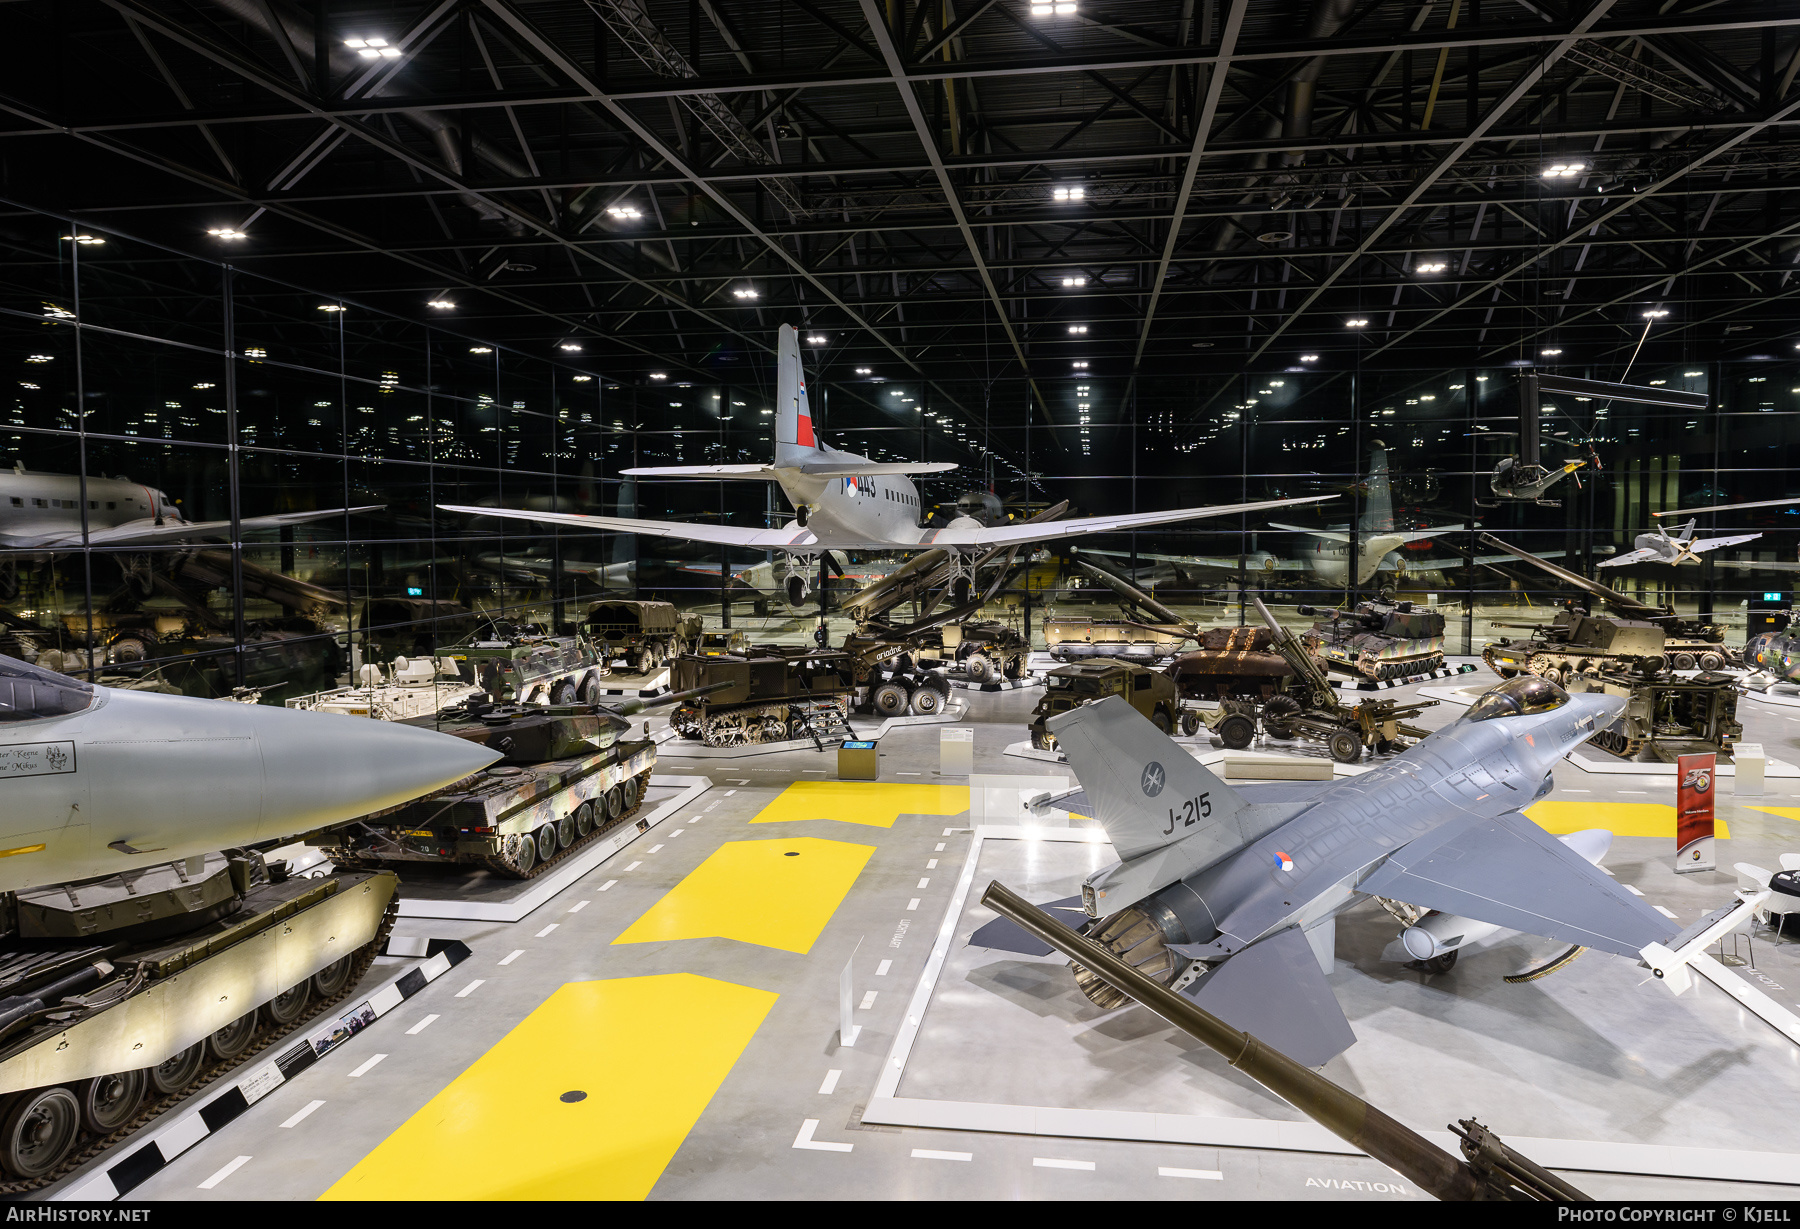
640,636
1076,638
124,996
1378,640
1067,687
521,663
774,693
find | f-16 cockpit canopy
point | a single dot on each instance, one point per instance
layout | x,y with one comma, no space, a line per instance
28,691
1525,694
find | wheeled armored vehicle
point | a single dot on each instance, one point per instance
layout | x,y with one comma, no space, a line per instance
639,636
1065,687
521,663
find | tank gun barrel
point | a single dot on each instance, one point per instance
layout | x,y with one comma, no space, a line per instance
1605,593
633,707
1335,1108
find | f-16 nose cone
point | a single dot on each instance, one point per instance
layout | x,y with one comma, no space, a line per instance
320,768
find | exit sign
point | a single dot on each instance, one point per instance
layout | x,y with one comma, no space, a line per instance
414,591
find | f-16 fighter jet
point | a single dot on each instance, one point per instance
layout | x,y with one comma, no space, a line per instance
1658,547
95,780
1231,894
843,501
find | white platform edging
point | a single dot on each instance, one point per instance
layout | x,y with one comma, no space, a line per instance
885,1108
553,881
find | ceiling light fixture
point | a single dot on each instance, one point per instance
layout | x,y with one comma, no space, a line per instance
1068,194
1078,328
442,305
481,349
372,48
1564,170
1431,266
814,339
1655,313
1358,323
659,375
1074,281
331,307
1309,358
863,371
227,232
573,347
84,240
1550,353
745,293
1046,8
582,379
1079,366
624,213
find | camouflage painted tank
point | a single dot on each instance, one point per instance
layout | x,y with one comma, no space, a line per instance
569,775
1378,639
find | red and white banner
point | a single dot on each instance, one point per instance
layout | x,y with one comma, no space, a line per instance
1696,775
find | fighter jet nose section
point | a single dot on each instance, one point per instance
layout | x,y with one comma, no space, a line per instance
320,768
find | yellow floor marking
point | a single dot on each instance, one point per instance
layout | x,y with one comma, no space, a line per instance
858,802
501,1130
1792,813
1619,818
753,891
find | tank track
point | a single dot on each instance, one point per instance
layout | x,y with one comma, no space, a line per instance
501,866
761,723
1614,743
1392,668
265,1037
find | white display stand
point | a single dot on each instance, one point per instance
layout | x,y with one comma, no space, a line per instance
1752,766
956,751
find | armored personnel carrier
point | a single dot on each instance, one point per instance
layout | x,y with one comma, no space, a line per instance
568,774
1668,717
640,636
1065,687
411,687
773,693
1378,640
521,663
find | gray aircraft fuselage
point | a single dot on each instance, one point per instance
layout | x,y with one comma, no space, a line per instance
1480,769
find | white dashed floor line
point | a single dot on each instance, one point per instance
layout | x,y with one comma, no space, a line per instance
868,1000
632,867
578,906
1668,913
367,1066
830,1084
1051,1162
1212,1175
608,884
421,1026
508,959
881,970
931,865
912,904
933,1154
1632,890
300,1117
924,883
654,849
546,930
469,989
224,1173
805,1139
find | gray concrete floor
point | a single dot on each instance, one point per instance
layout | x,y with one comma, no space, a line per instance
1495,1038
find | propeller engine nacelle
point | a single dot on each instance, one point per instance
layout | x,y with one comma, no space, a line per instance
983,507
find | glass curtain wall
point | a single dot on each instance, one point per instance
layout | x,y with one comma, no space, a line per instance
313,439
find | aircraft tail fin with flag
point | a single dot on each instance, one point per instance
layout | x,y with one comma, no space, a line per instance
796,444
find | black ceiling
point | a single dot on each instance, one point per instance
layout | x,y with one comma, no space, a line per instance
1238,178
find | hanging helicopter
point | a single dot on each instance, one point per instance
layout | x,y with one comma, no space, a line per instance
1523,477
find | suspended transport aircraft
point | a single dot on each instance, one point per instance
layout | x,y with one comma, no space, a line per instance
843,501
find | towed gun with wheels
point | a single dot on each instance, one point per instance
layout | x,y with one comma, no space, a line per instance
1488,1169
1314,711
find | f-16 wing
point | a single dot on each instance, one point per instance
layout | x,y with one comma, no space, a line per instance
1021,535
148,531
1510,872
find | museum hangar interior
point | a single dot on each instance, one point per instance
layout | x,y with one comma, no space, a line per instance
1181,562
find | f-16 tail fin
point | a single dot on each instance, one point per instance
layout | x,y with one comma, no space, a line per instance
1143,787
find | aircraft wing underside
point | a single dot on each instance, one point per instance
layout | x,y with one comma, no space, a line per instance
1510,872
1275,991
981,536
148,531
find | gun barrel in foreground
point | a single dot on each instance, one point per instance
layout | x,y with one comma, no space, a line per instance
1493,1170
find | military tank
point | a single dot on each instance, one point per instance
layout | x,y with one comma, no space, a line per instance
772,693
123,996
568,775
1635,638
1377,640
1232,663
